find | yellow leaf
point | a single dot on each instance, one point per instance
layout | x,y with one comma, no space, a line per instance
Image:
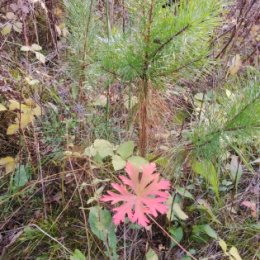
29,102
2,108
67,153
234,253
223,245
12,129
37,111
13,105
25,48
26,118
40,57
58,12
36,47
235,66
9,164
6,30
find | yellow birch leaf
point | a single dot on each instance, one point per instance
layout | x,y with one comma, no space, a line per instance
9,164
37,111
12,129
25,119
7,29
29,102
13,104
2,108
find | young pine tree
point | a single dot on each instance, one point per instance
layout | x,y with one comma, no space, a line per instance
156,43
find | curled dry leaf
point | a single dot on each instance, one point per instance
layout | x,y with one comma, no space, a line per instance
251,206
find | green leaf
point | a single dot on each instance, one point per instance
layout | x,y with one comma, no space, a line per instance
183,192
101,225
118,163
137,161
151,255
179,212
186,258
126,149
104,148
177,234
207,170
77,255
175,210
22,176
204,229
90,151
210,231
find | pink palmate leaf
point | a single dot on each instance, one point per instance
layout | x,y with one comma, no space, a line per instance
139,196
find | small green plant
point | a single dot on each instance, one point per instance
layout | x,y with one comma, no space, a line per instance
160,44
101,224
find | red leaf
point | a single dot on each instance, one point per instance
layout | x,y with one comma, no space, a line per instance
139,195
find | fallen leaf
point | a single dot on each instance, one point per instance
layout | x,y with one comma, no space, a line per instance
25,48
12,129
2,108
223,245
7,29
235,66
9,164
234,253
18,26
40,57
250,205
36,47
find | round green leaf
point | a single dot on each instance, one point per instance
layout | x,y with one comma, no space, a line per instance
126,149
104,148
138,161
118,163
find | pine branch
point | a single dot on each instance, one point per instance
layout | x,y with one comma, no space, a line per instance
161,47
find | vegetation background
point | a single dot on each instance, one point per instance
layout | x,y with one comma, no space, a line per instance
86,85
